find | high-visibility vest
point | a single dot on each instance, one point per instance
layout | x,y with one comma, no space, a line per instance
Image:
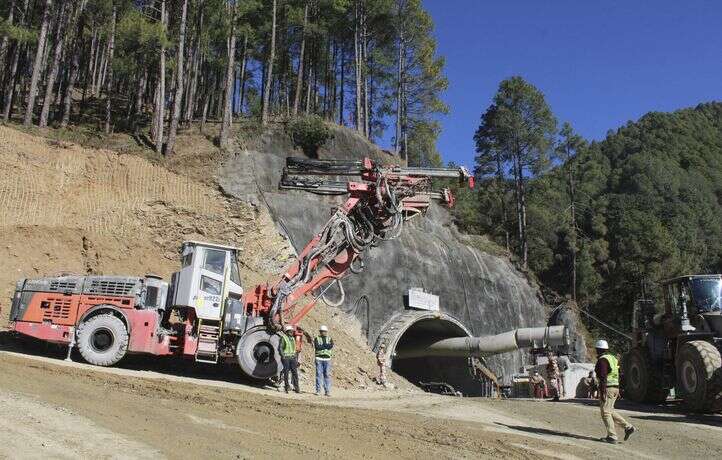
613,375
288,346
323,352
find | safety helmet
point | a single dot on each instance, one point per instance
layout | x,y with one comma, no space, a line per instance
601,345
288,327
383,345
323,328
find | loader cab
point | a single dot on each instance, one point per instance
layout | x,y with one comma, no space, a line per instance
703,294
208,277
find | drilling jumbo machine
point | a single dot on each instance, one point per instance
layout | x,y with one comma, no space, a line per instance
204,313
677,345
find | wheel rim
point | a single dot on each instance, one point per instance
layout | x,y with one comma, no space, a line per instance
689,377
102,339
263,352
635,376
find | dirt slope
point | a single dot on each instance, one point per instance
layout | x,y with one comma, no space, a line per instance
65,208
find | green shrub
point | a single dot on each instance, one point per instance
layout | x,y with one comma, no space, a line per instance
309,133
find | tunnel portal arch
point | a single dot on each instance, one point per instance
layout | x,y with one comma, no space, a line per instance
410,327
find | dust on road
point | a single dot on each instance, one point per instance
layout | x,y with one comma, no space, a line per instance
89,409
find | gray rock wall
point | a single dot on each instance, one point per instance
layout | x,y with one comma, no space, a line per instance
485,292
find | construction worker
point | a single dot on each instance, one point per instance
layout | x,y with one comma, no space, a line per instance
591,383
607,370
555,377
323,344
538,385
381,361
289,357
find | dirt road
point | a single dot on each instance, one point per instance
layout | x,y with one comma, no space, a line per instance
53,408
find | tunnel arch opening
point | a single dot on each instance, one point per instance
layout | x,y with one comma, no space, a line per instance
412,328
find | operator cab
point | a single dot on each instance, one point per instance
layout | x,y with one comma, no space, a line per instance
208,278
698,297
704,294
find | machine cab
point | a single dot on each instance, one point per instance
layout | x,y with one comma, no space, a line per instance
702,292
208,277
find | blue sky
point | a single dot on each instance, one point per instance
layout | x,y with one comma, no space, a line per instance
599,63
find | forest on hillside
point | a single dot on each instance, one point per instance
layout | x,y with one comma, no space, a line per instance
157,65
598,222
593,221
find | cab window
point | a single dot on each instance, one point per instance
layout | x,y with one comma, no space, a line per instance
214,261
673,299
235,276
210,285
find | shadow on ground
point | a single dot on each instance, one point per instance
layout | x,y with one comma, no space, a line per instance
178,367
548,432
673,410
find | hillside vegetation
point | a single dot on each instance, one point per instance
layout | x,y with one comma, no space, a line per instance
151,67
644,204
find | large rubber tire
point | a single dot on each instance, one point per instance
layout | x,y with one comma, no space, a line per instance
257,354
102,340
699,376
642,382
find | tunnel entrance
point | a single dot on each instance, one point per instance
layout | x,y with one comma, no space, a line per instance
420,327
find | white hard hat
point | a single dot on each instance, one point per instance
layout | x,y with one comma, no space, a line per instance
601,345
288,327
323,328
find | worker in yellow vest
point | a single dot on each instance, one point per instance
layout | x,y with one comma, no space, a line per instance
607,370
323,344
289,357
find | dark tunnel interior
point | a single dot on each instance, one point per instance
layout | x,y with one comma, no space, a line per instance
453,371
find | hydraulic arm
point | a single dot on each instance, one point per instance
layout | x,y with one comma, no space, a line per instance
379,200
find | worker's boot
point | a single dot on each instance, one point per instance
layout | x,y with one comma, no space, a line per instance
629,432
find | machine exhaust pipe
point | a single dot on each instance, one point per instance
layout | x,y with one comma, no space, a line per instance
528,337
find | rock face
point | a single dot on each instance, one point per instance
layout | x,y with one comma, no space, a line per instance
483,292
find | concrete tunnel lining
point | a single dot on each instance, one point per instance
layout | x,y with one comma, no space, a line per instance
411,327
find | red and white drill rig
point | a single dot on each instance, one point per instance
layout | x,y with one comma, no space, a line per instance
203,313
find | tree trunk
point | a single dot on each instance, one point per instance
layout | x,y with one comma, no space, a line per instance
517,197
269,72
109,85
37,68
50,84
364,64
399,95
308,88
357,67
6,39
521,209
573,215
244,62
502,199
228,94
177,98
93,60
192,91
299,74
10,89
103,71
342,88
160,97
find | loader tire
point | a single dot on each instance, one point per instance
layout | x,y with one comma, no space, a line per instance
699,376
642,382
102,340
